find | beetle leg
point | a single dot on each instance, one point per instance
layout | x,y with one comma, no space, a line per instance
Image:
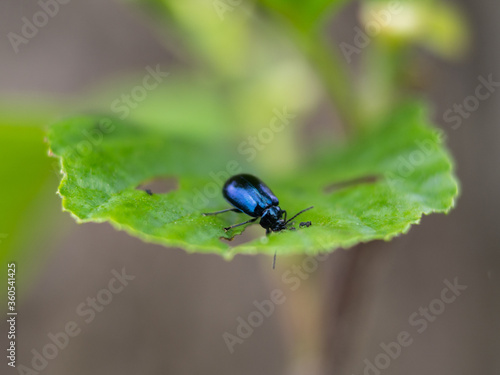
219,212
284,211
237,225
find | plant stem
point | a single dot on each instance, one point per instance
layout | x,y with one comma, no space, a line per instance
335,78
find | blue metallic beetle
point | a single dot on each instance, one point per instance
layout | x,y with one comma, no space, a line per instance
251,196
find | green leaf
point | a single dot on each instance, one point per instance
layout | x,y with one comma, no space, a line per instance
382,183
304,15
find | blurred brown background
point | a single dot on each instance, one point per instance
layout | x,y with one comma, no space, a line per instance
171,317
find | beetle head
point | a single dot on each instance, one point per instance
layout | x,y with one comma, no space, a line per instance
272,219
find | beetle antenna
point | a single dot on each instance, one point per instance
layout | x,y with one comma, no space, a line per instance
304,210
274,259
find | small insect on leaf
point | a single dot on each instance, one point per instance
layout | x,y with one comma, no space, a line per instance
249,195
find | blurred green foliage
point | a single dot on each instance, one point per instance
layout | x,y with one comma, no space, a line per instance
304,15
29,184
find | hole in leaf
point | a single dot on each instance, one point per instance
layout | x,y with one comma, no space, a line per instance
160,185
356,181
250,233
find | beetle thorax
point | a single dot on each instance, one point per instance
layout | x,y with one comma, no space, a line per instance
271,219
